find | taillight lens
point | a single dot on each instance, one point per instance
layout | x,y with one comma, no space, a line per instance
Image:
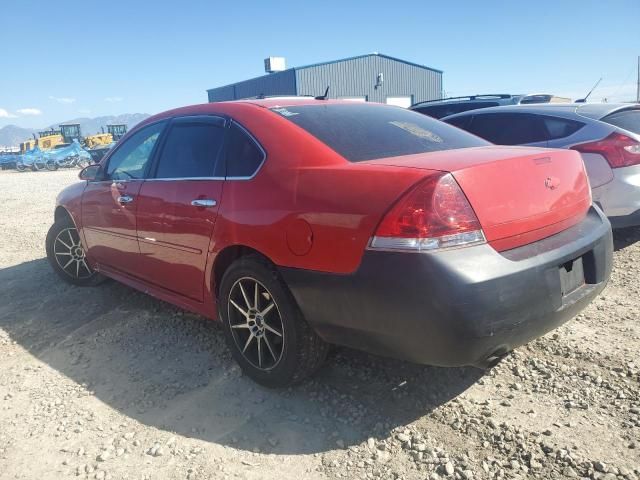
619,150
434,214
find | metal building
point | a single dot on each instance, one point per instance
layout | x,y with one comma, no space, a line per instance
374,77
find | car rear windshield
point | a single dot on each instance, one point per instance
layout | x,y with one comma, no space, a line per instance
627,119
366,132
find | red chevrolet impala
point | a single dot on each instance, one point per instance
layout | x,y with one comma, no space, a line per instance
300,223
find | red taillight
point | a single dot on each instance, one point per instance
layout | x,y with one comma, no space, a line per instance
619,150
434,214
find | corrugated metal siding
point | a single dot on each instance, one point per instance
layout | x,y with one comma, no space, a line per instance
279,83
221,94
357,77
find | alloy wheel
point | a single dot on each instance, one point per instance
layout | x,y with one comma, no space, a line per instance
69,254
256,324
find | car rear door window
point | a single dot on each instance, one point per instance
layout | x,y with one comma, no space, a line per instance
560,127
626,119
366,132
460,122
131,159
243,155
508,128
190,150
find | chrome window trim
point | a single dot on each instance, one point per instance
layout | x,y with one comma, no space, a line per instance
113,182
257,143
137,128
191,179
228,125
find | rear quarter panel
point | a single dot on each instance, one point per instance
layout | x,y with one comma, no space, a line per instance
305,193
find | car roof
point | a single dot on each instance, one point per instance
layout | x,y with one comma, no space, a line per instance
270,102
215,108
595,111
598,111
489,97
274,102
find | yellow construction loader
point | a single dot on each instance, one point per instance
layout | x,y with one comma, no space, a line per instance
48,139
28,145
93,141
68,132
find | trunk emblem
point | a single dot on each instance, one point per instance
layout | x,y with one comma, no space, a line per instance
552,183
542,161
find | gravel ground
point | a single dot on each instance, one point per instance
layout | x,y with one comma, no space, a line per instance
108,383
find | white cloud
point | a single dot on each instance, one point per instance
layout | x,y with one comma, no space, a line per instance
6,114
29,111
113,99
62,99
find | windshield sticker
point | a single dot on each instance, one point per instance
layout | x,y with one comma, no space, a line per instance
284,112
417,131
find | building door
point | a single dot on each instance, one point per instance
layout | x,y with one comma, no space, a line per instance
401,101
354,99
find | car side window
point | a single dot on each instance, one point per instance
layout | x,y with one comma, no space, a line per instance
508,128
190,151
243,155
460,122
131,158
561,127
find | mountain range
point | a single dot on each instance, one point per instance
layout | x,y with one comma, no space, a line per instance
12,135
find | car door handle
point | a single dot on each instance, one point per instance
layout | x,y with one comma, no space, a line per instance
122,199
204,202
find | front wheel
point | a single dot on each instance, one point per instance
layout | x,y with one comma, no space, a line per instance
52,165
37,166
264,327
67,257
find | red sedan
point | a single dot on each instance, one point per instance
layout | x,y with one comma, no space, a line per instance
300,223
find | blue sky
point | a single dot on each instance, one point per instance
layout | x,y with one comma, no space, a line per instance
61,60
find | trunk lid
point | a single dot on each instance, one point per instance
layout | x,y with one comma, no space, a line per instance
519,194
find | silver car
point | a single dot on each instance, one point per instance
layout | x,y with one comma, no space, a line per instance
607,136
448,106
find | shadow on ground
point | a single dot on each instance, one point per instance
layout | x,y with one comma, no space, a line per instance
625,237
171,370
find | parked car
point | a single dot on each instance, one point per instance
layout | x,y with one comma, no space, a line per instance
607,136
300,222
452,105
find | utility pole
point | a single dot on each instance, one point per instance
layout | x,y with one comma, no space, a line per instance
638,88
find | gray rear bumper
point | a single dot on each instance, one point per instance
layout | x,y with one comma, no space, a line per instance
455,307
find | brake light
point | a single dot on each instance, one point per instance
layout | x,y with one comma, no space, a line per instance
434,214
619,150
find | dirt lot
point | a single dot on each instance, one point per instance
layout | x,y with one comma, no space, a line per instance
107,383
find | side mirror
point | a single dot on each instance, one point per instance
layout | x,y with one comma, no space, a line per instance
90,173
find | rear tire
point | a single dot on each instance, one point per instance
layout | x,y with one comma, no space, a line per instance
264,326
67,257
